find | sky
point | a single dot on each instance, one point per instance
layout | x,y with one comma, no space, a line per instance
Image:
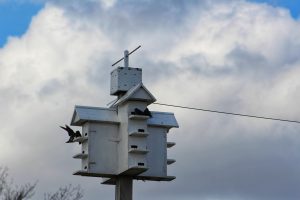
292,5
15,18
230,55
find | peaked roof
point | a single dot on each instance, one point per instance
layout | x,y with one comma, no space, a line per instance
138,92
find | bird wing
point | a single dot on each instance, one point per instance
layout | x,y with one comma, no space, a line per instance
71,139
63,128
70,131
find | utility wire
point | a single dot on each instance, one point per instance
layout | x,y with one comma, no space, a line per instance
229,113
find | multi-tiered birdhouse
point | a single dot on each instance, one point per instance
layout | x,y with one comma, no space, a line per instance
125,138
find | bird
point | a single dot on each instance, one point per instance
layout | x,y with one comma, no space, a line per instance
137,112
77,134
147,112
71,133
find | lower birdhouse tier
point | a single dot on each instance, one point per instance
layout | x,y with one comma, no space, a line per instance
112,181
135,170
91,174
115,143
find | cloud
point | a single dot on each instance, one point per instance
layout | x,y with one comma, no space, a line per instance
227,55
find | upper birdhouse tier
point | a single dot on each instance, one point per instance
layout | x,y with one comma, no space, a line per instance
136,93
123,79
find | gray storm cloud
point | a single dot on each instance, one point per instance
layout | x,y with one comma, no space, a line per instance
227,55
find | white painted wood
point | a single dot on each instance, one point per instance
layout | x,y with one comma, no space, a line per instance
80,156
80,139
157,155
137,93
86,113
138,151
103,157
123,188
138,117
138,134
163,119
124,78
116,141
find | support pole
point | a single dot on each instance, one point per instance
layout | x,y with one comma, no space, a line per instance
126,58
123,190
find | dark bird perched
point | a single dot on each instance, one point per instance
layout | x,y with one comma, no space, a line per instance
137,112
147,112
77,134
71,133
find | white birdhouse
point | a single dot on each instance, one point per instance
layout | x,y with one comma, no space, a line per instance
126,138
124,78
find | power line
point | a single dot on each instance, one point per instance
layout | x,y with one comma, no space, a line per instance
229,113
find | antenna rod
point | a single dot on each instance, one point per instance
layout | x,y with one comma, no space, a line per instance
124,55
134,49
126,58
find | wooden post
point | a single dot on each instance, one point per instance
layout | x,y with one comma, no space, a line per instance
123,190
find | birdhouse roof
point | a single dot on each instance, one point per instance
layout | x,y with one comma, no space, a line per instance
139,93
83,114
163,119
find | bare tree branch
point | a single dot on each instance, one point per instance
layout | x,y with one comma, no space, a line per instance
66,193
3,176
9,191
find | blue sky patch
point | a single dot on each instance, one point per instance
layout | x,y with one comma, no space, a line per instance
15,18
292,5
